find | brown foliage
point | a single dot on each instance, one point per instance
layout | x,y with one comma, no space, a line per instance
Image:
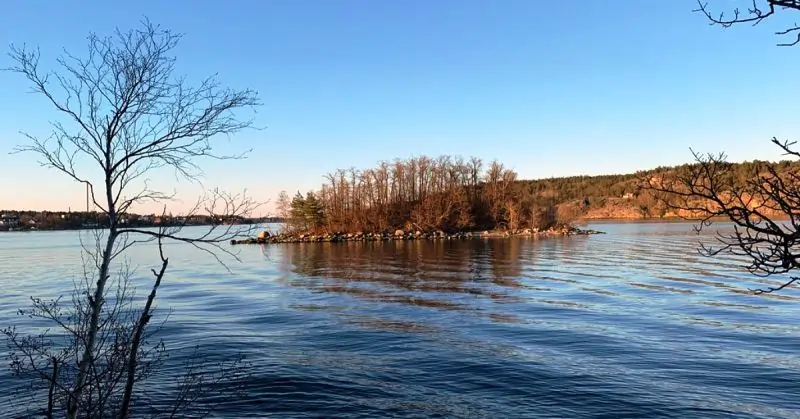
422,193
419,194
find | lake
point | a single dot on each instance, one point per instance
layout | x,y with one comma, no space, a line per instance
630,324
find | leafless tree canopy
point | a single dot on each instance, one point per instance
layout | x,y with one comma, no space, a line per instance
757,11
124,114
765,211
448,193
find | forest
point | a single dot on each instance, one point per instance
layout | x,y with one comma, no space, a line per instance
450,193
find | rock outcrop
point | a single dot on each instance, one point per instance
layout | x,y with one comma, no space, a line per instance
410,235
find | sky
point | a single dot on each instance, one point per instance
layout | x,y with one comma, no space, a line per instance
548,88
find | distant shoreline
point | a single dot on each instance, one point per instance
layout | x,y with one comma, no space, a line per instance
665,220
29,221
578,221
636,220
34,229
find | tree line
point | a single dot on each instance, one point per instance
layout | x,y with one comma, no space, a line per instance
445,193
451,193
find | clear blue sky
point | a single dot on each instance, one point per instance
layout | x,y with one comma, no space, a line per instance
550,88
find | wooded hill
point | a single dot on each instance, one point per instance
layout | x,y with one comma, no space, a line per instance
452,193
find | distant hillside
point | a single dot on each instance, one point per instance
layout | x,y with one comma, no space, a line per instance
618,196
450,193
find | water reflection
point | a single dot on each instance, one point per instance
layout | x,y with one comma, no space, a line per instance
430,274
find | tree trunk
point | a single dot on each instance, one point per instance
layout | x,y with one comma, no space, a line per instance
96,303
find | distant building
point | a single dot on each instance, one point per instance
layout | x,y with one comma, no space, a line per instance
9,220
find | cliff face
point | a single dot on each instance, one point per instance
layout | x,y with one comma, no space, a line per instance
630,209
621,196
607,208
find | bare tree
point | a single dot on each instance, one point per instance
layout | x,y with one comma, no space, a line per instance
124,115
284,208
764,208
446,193
757,12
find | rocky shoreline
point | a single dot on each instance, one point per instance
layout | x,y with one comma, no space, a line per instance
266,238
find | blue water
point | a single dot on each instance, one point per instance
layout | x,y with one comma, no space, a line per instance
630,324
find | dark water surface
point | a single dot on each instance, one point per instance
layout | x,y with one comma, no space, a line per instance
631,324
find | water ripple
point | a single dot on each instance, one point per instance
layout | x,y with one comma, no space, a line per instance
630,324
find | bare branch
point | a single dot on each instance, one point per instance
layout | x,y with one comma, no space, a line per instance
144,319
758,11
764,209
124,113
